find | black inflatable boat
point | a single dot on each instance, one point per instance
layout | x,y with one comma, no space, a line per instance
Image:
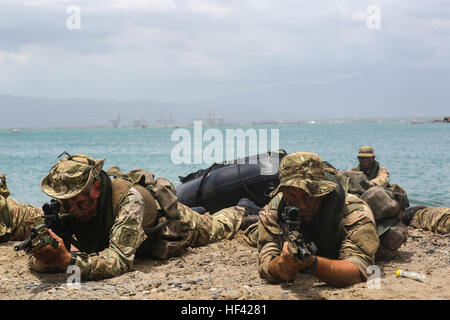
223,184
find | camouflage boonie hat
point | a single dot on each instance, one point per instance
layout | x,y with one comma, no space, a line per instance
304,170
366,151
71,176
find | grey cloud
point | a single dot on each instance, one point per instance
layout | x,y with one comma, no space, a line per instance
246,53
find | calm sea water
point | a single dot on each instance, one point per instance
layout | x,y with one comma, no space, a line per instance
417,156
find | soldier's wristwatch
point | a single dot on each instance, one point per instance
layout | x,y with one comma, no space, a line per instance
73,259
311,268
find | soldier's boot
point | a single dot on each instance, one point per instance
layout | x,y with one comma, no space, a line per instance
250,207
248,221
409,214
251,212
199,210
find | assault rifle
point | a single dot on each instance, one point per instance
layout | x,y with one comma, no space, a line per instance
39,236
289,221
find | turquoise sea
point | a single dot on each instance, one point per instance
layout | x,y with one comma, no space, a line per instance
417,155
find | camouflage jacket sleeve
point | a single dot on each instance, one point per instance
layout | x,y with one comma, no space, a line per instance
358,228
126,236
269,241
382,178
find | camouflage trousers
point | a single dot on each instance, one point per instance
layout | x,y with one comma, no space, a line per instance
208,228
17,219
194,230
251,235
432,219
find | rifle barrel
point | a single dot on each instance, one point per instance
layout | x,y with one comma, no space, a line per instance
23,244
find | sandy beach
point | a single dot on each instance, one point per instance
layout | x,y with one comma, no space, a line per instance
227,270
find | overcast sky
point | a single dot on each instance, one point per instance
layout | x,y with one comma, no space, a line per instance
188,51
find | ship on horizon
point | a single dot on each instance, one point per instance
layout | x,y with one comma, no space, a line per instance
211,119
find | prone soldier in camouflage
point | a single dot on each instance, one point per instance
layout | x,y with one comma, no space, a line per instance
113,219
16,218
377,175
341,225
434,219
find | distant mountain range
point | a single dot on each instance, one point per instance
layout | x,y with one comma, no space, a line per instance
423,96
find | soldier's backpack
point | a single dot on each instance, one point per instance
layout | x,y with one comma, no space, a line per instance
382,203
391,230
391,240
386,202
169,236
387,205
357,181
161,189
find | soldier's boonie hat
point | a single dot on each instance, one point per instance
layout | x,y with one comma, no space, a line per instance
304,170
71,176
366,151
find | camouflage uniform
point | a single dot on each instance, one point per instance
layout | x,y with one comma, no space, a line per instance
126,236
357,239
378,175
435,219
16,219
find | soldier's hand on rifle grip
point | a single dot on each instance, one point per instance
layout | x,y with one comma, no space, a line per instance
48,256
285,266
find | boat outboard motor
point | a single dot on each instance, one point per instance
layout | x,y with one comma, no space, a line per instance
223,184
